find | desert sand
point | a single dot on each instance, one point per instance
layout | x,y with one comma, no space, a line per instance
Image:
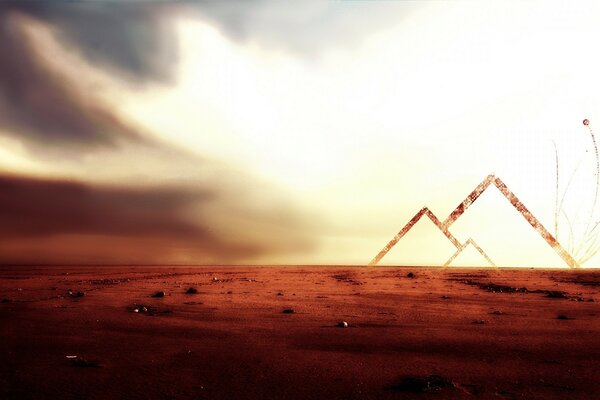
441,334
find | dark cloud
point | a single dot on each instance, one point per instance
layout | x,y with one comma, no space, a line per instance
44,109
61,221
135,38
35,207
37,210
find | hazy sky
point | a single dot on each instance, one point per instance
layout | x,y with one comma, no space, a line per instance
293,132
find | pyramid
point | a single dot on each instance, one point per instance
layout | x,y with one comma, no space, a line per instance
424,244
469,256
505,235
537,245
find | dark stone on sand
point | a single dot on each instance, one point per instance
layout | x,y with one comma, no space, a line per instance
495,288
410,275
445,297
279,294
159,294
420,384
479,321
342,324
191,291
556,294
497,312
288,311
563,317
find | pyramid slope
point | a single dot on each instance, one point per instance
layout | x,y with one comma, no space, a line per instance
505,235
469,256
423,245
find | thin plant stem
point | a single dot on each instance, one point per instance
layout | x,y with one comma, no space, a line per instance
593,210
571,246
556,211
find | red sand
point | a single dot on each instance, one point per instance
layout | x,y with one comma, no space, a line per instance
232,340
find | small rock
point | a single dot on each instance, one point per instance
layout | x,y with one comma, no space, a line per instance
279,294
191,290
288,311
138,308
445,297
418,384
410,275
159,294
342,324
230,292
215,279
497,312
563,317
479,321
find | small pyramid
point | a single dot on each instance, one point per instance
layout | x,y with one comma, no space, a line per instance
468,256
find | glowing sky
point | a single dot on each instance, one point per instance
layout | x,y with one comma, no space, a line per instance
280,132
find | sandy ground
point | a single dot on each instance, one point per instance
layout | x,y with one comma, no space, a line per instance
443,334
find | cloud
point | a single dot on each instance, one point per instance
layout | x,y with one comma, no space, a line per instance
134,38
137,41
65,207
304,28
62,221
44,109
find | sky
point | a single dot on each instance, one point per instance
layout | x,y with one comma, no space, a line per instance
234,132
